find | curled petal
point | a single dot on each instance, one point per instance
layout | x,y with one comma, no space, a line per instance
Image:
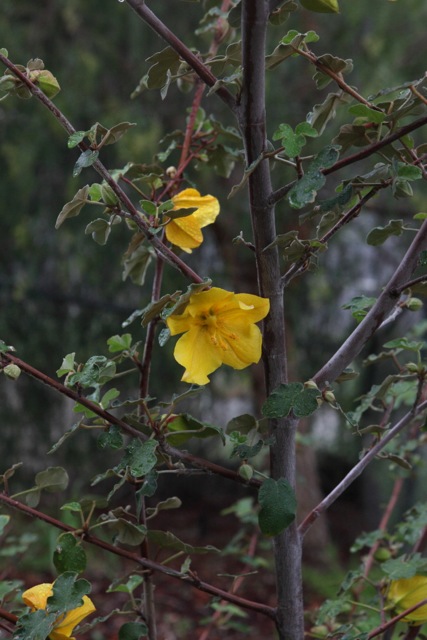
186,232
198,354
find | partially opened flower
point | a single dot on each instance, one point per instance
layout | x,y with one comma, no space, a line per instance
219,328
186,232
37,597
407,592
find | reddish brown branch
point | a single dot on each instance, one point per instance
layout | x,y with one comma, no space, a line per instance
205,465
188,578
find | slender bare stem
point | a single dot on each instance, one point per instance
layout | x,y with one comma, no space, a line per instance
383,306
141,9
359,467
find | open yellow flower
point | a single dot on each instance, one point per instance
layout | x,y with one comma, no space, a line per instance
36,598
186,232
407,592
219,328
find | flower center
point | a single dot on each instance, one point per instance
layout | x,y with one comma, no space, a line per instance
218,335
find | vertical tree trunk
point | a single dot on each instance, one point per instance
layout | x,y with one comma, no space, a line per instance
252,120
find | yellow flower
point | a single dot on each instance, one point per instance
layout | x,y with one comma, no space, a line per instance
218,329
407,592
186,232
36,598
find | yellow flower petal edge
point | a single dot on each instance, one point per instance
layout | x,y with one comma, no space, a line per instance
186,232
405,593
219,328
37,597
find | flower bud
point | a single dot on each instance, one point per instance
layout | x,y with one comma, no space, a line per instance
414,304
12,371
246,471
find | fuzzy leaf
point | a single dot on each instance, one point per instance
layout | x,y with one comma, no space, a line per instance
380,234
278,506
69,555
290,397
73,208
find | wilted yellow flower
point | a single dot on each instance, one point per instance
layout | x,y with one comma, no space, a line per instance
36,598
407,592
219,328
186,232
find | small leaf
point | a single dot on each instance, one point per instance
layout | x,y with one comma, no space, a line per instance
133,631
167,540
67,366
52,479
278,506
119,343
140,457
73,208
290,397
111,439
69,555
75,138
100,230
363,111
86,159
380,234
68,592
125,532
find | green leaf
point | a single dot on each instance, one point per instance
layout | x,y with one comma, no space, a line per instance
111,439
97,370
4,348
69,555
73,208
323,113
47,82
133,631
196,429
129,587
35,626
242,424
119,343
404,566
305,190
100,230
278,506
321,6
337,65
167,540
86,159
380,234
372,115
115,133
136,264
52,479
125,532
67,366
290,140
140,457
75,138
68,592
3,522
149,486
359,306
290,397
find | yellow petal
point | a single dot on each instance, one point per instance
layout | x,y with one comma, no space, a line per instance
207,206
74,617
407,592
247,308
198,354
37,596
244,349
186,232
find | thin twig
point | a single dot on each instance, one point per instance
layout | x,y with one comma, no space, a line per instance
207,466
358,468
161,249
203,71
356,157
